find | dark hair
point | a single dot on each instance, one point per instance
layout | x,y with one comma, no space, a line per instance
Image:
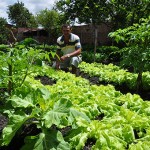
66,25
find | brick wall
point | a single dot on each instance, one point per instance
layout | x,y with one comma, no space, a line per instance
87,34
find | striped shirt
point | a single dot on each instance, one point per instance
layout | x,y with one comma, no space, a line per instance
74,44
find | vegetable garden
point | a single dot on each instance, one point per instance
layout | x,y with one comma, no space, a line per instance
70,113
47,109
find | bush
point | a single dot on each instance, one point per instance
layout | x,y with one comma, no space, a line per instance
103,54
3,47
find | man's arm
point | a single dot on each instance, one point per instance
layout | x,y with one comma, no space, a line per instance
75,53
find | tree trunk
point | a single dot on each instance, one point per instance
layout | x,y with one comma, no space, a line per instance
139,85
95,42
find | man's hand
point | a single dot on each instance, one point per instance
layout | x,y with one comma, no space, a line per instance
63,58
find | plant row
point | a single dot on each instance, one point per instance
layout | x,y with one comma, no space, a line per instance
98,113
115,75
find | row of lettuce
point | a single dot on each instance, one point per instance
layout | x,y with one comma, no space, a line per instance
115,75
98,113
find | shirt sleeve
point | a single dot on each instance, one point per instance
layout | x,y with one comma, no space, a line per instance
77,43
58,44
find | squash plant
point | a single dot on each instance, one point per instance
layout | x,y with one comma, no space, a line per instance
35,107
34,104
137,51
16,63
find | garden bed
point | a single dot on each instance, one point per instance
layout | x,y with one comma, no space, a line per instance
18,140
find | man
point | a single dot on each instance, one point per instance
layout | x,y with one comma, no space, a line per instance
70,46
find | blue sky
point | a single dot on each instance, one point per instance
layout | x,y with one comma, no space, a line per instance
33,6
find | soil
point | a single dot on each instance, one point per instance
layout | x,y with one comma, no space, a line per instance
18,140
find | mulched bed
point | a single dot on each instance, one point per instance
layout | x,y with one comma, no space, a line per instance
17,141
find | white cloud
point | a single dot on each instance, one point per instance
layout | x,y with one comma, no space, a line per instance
34,6
4,7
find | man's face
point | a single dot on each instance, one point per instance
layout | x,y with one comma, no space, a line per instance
66,31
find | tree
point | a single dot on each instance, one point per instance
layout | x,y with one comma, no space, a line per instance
125,13
8,32
32,22
19,15
137,51
3,31
86,11
50,20
120,13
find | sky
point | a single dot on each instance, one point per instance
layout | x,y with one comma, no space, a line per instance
33,6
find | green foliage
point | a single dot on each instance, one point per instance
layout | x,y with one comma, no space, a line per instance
126,13
50,20
114,75
137,50
21,59
136,37
19,15
121,14
46,47
73,102
29,42
107,49
3,31
91,12
32,22
39,106
109,54
47,140
3,47
88,56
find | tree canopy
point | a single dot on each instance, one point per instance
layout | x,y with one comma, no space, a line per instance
50,20
86,11
20,15
3,31
120,13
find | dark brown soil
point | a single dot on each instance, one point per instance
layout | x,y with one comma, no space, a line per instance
89,143
45,80
18,141
3,122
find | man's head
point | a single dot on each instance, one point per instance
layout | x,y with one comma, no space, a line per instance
66,29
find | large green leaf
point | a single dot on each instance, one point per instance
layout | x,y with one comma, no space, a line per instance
43,98
59,111
47,140
75,115
19,102
15,122
44,92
